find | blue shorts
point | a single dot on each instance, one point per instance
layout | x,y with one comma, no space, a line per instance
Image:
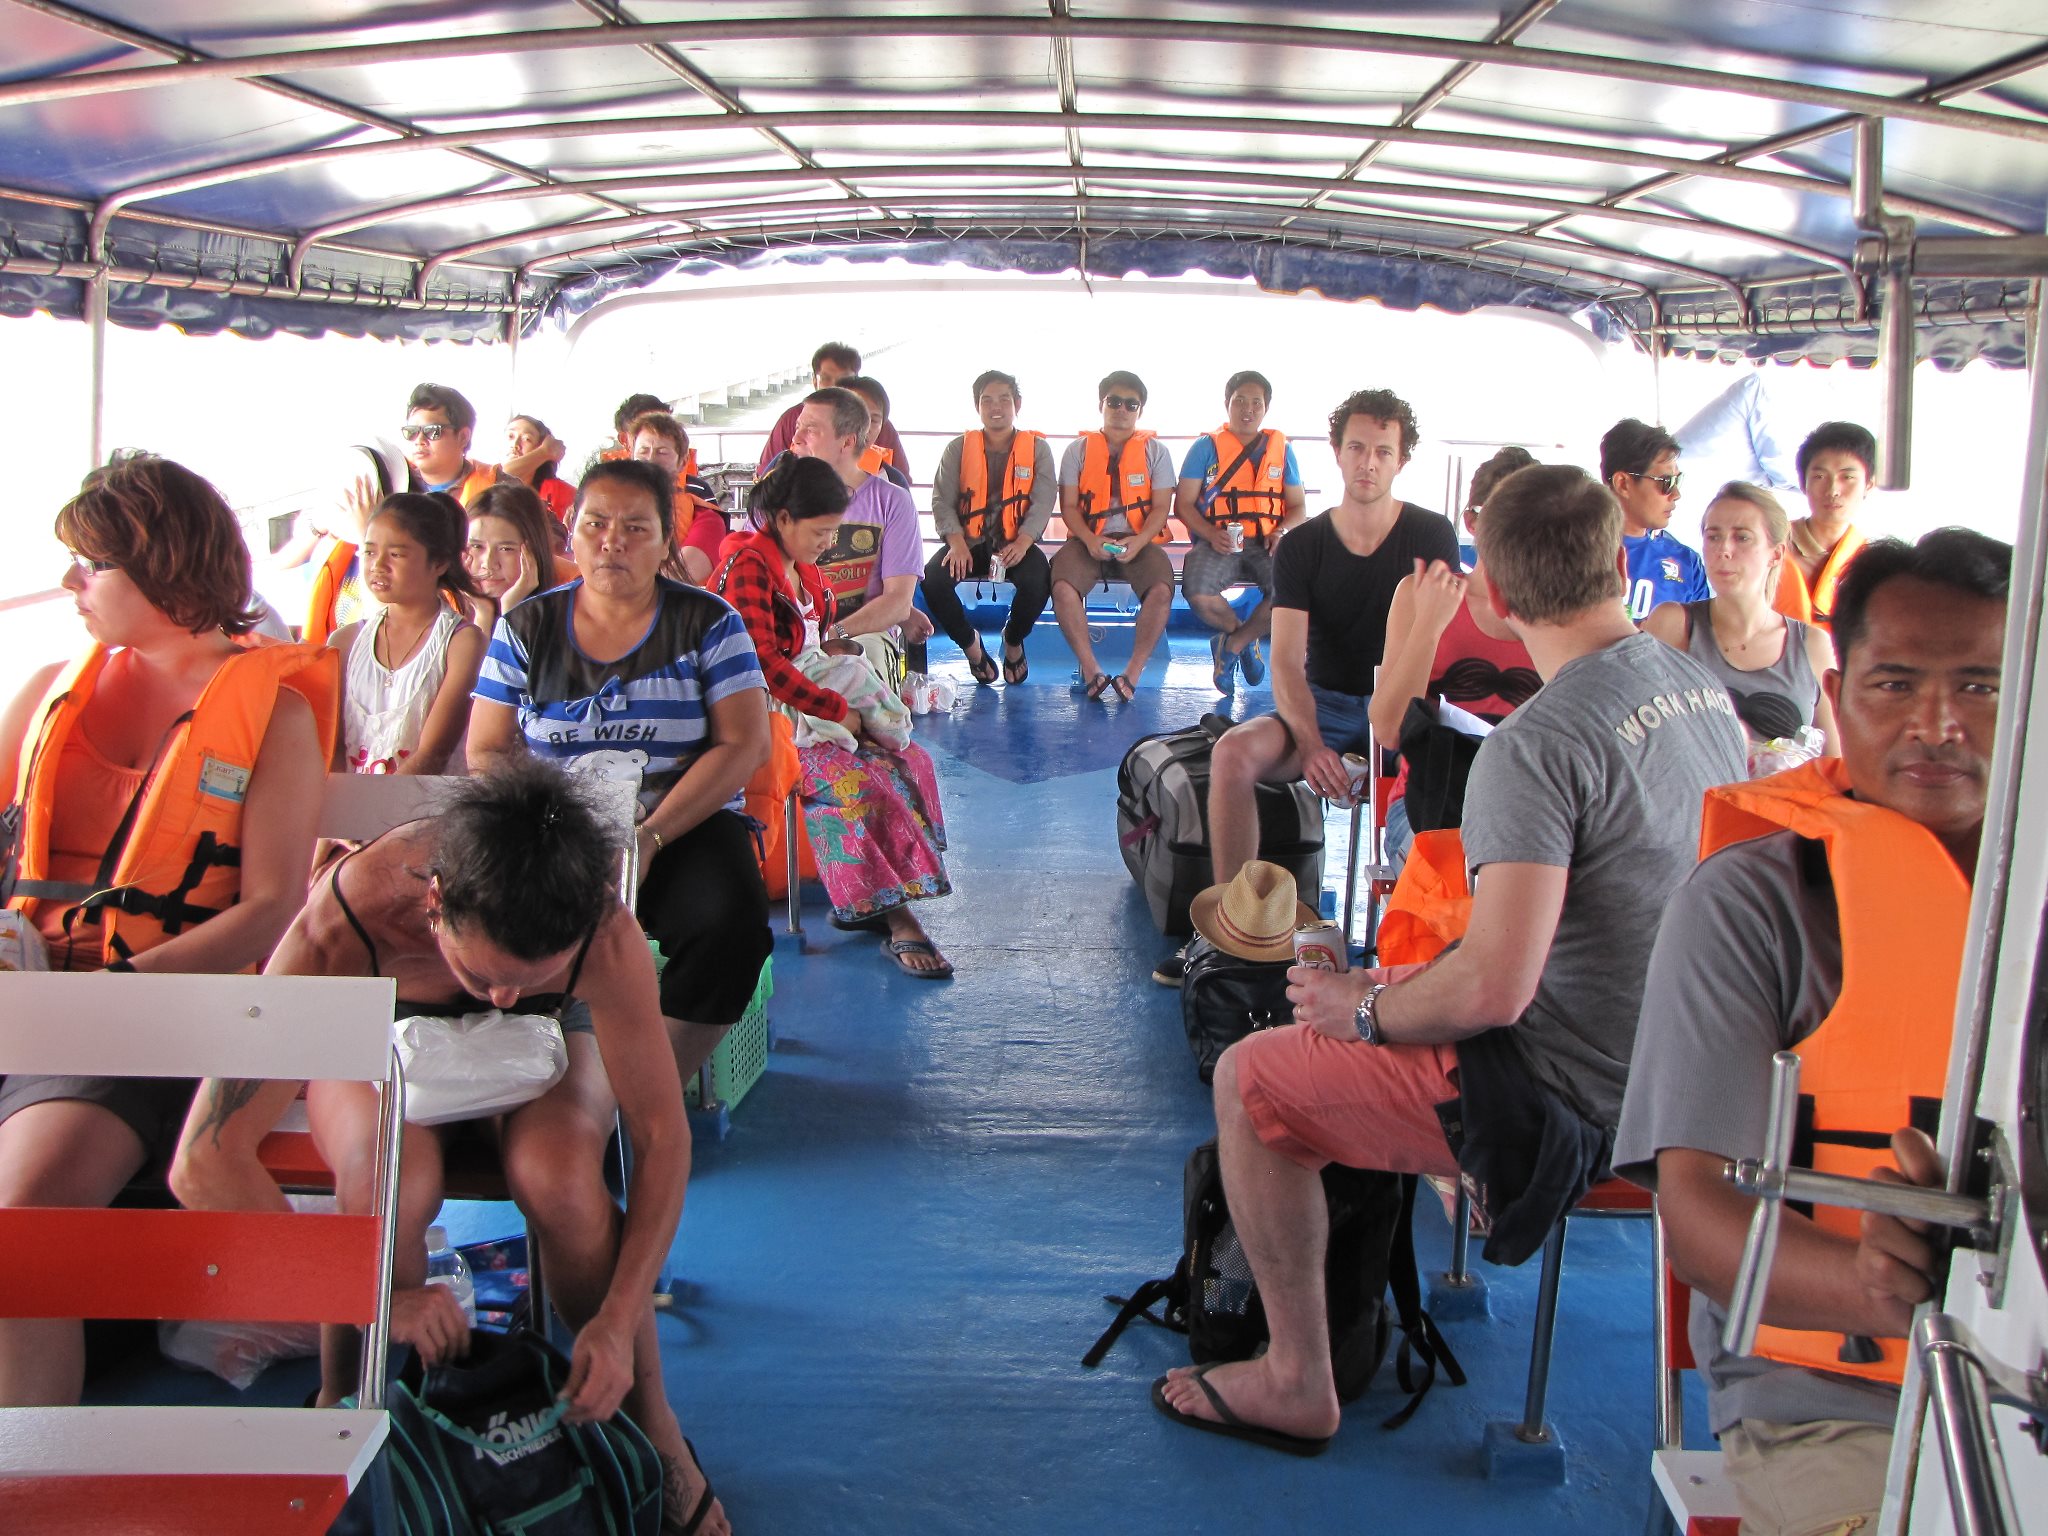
1340,717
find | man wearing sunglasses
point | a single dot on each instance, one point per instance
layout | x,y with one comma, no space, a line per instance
1116,488
1639,463
438,424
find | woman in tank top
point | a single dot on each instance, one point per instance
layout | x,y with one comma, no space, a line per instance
1771,665
1445,641
407,669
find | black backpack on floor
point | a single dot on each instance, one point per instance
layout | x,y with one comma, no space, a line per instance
1223,999
1211,1297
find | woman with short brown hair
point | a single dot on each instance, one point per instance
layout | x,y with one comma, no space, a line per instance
164,790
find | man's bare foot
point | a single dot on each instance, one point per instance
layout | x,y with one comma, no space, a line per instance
682,1484
1254,1396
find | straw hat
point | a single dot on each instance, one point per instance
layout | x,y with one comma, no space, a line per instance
1254,916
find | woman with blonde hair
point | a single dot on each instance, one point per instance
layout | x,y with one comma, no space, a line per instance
1771,664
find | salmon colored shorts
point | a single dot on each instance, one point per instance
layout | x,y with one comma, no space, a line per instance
1315,1100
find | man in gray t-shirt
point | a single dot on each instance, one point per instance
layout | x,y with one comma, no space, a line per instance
1749,961
1581,814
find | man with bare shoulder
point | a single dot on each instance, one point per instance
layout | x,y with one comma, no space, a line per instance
507,898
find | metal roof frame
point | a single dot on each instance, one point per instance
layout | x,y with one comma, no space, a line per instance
1662,264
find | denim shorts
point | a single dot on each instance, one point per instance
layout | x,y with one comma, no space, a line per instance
1340,717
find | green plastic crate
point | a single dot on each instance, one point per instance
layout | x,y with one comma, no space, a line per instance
742,1056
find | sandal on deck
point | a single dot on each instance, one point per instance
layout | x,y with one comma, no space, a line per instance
984,672
691,1526
1125,688
897,949
1098,685
1014,672
1230,1425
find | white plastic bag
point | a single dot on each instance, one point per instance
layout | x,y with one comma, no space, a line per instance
477,1065
239,1352
1783,752
21,946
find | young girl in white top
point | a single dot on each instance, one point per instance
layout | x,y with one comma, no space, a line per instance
408,668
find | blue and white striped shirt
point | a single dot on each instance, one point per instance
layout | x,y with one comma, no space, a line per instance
649,708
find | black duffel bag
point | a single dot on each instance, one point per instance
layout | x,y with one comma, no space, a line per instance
1223,999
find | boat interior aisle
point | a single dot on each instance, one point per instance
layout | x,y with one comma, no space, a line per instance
890,1269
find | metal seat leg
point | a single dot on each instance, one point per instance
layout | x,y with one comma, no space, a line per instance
1533,1430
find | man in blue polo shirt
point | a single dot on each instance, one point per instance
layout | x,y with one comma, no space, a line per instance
1639,463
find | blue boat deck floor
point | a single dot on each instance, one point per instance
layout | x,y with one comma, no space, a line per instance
888,1272
898,1257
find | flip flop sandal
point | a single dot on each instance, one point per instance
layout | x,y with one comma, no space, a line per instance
1098,685
874,924
702,1508
1124,687
983,673
897,949
1014,672
1229,1425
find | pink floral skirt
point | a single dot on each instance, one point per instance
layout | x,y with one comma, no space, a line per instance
875,826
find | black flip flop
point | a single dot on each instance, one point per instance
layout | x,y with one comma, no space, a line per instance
1229,1425
1014,672
1124,688
985,674
874,924
1098,685
704,1500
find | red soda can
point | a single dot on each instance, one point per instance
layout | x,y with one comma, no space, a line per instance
1320,946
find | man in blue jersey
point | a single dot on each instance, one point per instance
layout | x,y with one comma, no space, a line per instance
1639,463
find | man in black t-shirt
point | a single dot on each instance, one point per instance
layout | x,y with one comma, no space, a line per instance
1333,582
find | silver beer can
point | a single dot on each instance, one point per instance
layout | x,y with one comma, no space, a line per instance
1359,768
996,568
1320,946
1236,533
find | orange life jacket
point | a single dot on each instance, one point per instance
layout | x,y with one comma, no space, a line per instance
874,457
1431,902
1247,484
326,593
1879,1060
1816,604
974,503
180,861
1100,495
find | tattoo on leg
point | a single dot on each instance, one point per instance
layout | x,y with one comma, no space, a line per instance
227,1096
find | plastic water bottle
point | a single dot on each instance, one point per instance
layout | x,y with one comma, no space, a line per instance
447,1267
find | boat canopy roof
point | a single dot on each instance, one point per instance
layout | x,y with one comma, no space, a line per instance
422,170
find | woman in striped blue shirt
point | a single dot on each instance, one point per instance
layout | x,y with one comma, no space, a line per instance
627,674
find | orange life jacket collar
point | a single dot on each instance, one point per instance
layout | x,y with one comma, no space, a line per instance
1019,474
181,860
1879,1060
1247,484
1101,495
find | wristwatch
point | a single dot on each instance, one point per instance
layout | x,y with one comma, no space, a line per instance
1368,1017
837,632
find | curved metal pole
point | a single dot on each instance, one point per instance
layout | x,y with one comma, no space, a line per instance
837,27
699,122
1072,122
1579,248
1105,180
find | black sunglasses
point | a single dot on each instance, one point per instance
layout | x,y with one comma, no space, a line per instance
1122,403
432,431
